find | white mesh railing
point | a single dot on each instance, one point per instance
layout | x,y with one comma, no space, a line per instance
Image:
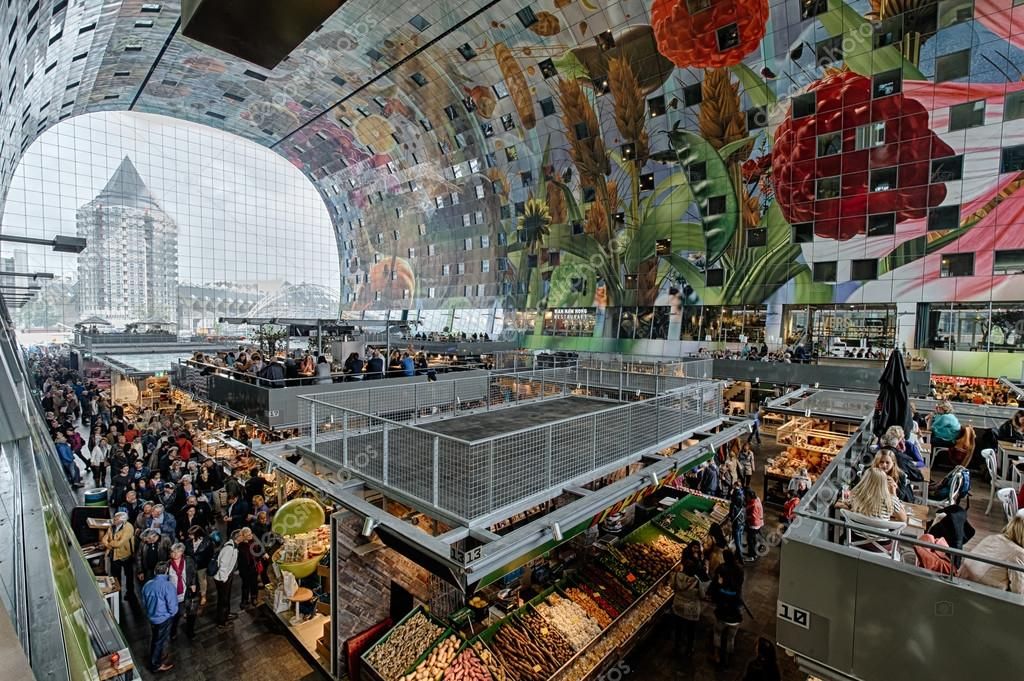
470,479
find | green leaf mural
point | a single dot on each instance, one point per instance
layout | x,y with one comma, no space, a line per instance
858,48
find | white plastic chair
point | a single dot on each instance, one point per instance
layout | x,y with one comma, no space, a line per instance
998,483
1008,498
872,528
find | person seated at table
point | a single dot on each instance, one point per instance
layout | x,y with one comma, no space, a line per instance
353,367
944,424
1007,547
875,497
885,461
1013,429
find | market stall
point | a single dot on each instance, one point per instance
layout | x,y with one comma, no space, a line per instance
808,445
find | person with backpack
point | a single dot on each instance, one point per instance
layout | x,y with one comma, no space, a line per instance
727,597
222,568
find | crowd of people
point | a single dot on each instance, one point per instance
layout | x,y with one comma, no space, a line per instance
797,354
179,520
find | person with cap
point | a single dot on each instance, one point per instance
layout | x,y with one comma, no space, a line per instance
120,541
152,550
161,601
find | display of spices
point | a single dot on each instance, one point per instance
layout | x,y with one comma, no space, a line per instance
571,620
589,605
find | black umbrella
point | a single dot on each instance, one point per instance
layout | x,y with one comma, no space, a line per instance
892,408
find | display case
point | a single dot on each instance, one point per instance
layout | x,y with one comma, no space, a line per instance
808,444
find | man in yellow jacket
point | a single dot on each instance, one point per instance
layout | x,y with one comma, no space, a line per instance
120,540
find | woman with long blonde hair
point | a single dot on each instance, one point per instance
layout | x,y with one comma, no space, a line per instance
875,497
1007,547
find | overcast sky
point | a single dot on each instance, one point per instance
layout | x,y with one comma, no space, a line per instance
243,212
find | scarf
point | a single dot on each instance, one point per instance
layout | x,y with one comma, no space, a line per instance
179,573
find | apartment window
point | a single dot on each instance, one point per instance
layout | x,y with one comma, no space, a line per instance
431,249
446,270
479,191
1008,262
455,198
412,253
502,239
460,268
887,83
825,271
728,37
757,237
485,241
431,292
481,290
803,233
692,94
830,143
805,105
395,235
715,278
864,270
881,224
967,115
883,179
943,217
502,264
952,66
1013,106
716,205
952,12
485,266
827,188
467,244
422,229
380,237
870,135
947,169
439,201
1012,159
697,172
957,265
466,221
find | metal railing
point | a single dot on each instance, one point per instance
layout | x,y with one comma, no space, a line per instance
468,479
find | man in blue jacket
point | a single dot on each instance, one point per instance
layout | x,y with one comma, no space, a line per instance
161,601
67,460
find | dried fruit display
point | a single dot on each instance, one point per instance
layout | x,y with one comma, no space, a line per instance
707,33
489,661
435,664
653,558
821,142
571,620
589,605
406,642
610,589
467,667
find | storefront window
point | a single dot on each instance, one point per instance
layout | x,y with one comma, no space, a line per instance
570,321
524,321
842,330
980,326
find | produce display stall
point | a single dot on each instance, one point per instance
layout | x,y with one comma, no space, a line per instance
571,630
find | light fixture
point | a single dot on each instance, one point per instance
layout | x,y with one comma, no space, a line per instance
653,477
556,531
59,243
369,525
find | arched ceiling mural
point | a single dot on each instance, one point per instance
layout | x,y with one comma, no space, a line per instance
591,153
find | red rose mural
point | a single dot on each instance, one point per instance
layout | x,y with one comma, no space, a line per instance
879,150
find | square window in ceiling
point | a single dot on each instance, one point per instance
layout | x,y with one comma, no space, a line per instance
254,74
827,188
589,194
426,124
339,81
957,265
505,212
144,23
757,237
419,79
629,282
647,182
547,106
548,68
882,179
363,112
967,115
881,224
803,233
1012,159
656,106
526,177
947,169
805,105
695,6
467,51
697,172
451,112
1008,262
887,83
888,31
812,8
714,278
869,136
581,131
150,7
757,118
1013,106
487,129
692,94
507,122
628,150
716,205
943,218
510,153
600,85
728,37
577,227
830,143
527,17
605,40
374,55
825,271
864,270
952,66
419,23
500,91
520,208
829,51
663,247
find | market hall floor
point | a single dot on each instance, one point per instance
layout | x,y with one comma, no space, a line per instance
484,424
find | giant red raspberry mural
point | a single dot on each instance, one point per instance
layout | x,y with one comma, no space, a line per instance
708,33
900,158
